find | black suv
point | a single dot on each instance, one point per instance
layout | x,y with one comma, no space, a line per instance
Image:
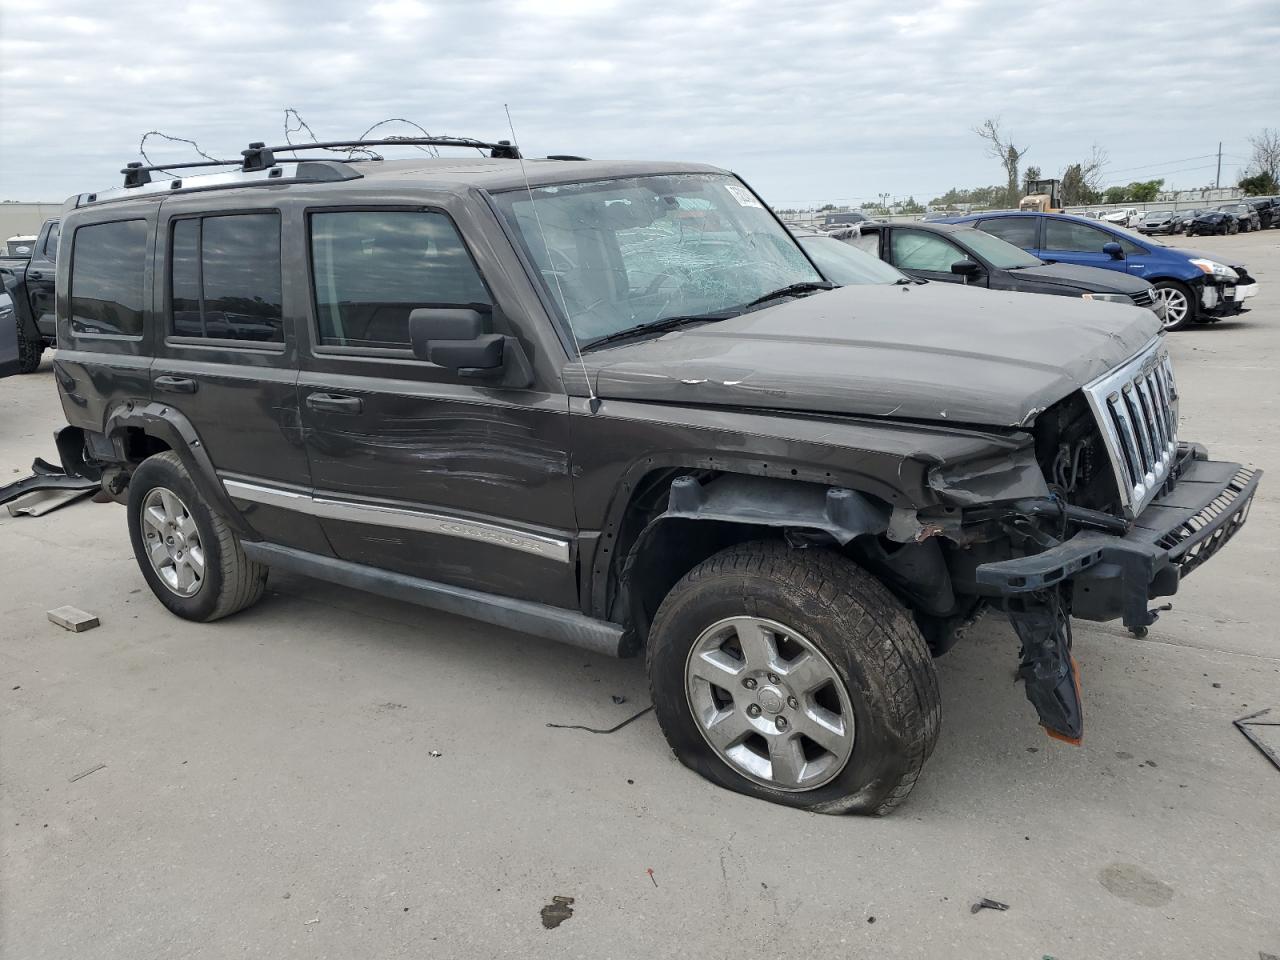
615,405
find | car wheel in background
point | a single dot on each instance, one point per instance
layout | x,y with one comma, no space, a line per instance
190,558
1179,304
796,677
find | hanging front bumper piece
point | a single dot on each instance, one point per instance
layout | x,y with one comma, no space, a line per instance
1104,576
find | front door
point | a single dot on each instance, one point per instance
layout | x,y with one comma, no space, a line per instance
416,469
929,256
1072,241
40,280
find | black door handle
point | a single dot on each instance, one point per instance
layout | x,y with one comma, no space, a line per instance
175,384
34,275
333,403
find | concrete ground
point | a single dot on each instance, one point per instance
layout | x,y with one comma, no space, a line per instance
269,786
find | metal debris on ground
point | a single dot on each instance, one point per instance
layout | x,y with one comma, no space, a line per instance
557,912
435,753
1246,726
73,619
81,776
618,699
578,726
985,904
307,923
649,871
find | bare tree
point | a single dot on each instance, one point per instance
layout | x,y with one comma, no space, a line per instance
1266,152
999,148
1092,169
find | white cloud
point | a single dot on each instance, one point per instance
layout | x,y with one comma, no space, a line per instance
809,101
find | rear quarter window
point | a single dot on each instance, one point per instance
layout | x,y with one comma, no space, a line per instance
108,265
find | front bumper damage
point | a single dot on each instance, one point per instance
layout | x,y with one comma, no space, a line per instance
1106,576
1227,299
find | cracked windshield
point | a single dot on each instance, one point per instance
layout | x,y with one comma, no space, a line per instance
624,253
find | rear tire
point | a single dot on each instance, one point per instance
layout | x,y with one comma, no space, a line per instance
1179,304
844,661
29,351
202,573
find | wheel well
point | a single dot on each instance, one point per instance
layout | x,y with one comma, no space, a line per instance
137,444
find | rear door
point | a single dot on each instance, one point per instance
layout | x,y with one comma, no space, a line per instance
226,354
418,470
41,273
928,256
1022,232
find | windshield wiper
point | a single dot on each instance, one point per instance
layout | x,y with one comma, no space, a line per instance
791,289
656,326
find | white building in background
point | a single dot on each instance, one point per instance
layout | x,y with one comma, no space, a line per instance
18,217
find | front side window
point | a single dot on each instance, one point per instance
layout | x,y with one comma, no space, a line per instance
618,254
372,268
917,250
1020,231
225,278
108,263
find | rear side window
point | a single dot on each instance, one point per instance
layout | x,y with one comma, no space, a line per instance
225,278
1020,231
108,265
371,268
51,241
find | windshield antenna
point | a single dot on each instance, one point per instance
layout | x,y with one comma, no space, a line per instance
593,401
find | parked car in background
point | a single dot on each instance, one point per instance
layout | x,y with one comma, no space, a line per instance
1213,222
1158,221
29,281
836,220
18,248
1196,287
844,264
1127,217
1246,216
1182,217
951,254
1268,211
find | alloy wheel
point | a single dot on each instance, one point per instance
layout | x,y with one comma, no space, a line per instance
172,542
1176,305
769,703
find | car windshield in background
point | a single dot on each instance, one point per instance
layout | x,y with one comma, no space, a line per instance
844,264
1237,208
1160,215
999,253
617,254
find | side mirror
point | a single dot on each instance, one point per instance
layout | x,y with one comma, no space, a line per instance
455,338
1113,250
966,269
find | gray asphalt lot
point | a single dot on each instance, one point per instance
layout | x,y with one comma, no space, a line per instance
271,787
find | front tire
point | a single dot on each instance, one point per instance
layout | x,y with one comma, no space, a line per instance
1179,304
189,556
794,676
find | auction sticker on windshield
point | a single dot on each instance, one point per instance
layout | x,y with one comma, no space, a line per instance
742,195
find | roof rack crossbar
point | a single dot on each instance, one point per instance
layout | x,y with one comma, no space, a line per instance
137,173
503,149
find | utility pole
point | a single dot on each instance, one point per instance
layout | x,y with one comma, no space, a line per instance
1217,180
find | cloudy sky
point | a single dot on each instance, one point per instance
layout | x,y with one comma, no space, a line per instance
808,101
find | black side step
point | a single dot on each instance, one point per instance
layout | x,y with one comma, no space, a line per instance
540,620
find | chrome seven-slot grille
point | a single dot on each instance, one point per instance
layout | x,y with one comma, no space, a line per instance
1136,406
1143,298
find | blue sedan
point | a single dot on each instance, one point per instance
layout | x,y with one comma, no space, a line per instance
1196,287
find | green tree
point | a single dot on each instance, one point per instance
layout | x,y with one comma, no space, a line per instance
1115,195
1144,191
1260,185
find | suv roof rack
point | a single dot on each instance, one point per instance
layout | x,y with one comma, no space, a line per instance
259,164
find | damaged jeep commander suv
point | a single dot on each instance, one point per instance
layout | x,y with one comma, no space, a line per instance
615,405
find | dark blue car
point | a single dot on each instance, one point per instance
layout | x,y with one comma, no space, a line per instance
1196,287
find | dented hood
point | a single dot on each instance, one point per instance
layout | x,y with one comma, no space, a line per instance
927,352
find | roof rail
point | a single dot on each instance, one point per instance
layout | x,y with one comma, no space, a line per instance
291,171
